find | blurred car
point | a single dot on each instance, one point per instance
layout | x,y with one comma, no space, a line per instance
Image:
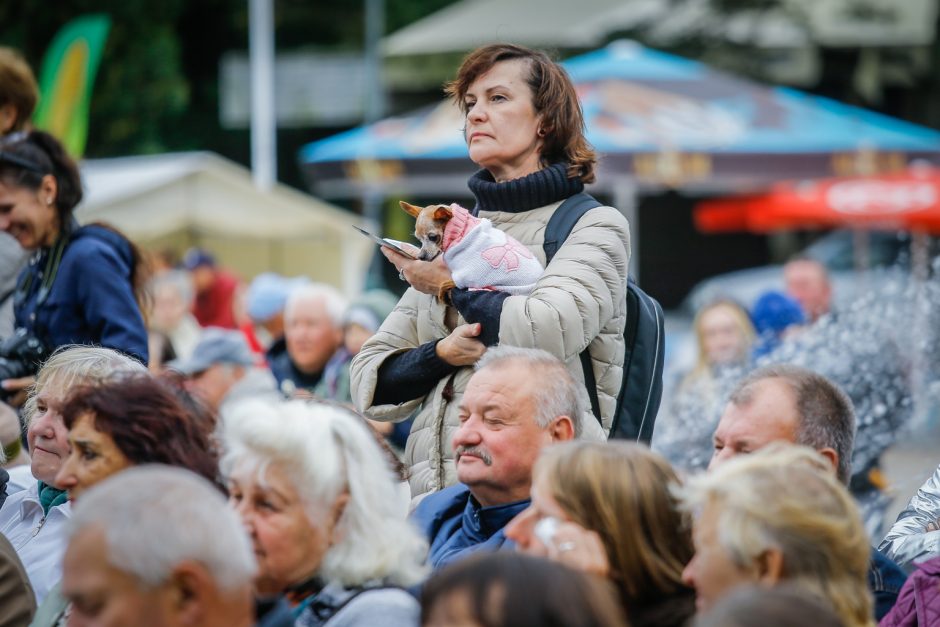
889,259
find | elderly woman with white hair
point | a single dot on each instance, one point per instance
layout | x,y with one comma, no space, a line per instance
324,513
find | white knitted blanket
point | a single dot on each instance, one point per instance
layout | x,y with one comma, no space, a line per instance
487,258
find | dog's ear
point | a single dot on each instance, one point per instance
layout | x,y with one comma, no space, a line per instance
410,209
443,212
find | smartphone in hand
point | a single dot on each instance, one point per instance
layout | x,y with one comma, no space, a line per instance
388,243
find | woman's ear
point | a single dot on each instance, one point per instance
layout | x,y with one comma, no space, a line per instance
770,567
336,514
48,190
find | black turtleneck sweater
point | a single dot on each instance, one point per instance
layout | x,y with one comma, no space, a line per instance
413,373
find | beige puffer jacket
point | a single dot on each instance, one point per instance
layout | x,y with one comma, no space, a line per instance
579,300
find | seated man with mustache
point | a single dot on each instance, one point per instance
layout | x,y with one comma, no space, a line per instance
518,401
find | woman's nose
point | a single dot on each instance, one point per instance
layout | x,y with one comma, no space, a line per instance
688,576
65,478
476,112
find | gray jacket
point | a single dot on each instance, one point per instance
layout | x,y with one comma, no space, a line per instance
909,541
12,259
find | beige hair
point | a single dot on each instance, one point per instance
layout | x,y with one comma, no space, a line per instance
77,365
741,318
622,491
786,497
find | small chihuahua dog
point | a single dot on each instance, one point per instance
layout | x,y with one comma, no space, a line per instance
479,255
430,223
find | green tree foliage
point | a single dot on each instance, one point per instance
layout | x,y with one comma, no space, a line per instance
141,89
157,89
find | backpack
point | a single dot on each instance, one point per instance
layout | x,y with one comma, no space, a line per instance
644,339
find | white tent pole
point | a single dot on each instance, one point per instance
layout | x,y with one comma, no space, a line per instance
263,120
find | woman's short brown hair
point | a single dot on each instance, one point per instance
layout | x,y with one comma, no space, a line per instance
554,99
17,86
623,492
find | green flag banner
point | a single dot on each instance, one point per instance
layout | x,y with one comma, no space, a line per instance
67,77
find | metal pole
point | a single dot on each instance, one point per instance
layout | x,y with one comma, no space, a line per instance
372,194
263,117
626,201
374,29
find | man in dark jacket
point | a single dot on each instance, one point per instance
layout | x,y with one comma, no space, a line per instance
507,416
793,404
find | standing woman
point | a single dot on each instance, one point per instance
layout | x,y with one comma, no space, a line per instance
525,129
83,285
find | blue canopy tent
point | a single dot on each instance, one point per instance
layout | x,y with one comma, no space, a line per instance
655,118
658,121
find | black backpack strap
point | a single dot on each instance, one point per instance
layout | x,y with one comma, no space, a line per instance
563,220
556,232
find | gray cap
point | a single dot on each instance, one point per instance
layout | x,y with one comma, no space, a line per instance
216,346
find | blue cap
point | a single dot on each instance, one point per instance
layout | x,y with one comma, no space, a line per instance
774,311
216,346
196,257
268,294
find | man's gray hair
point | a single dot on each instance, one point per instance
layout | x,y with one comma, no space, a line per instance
155,517
826,414
333,301
557,393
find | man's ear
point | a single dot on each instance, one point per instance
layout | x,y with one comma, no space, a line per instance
831,456
770,567
188,586
410,209
562,429
442,212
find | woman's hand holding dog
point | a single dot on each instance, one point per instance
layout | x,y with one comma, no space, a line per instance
425,276
460,348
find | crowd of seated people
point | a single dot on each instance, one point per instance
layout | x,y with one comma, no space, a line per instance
286,457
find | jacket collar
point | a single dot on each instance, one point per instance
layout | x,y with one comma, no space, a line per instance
480,523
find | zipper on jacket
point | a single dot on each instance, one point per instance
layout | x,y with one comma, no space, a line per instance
38,528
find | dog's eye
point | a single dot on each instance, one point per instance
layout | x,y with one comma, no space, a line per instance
434,237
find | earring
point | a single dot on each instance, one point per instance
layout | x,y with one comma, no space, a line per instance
49,201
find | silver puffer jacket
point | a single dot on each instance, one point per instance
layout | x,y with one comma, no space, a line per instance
909,541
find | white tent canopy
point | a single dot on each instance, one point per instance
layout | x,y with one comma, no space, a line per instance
584,24
201,199
470,23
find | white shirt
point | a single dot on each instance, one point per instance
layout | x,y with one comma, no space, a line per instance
39,540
